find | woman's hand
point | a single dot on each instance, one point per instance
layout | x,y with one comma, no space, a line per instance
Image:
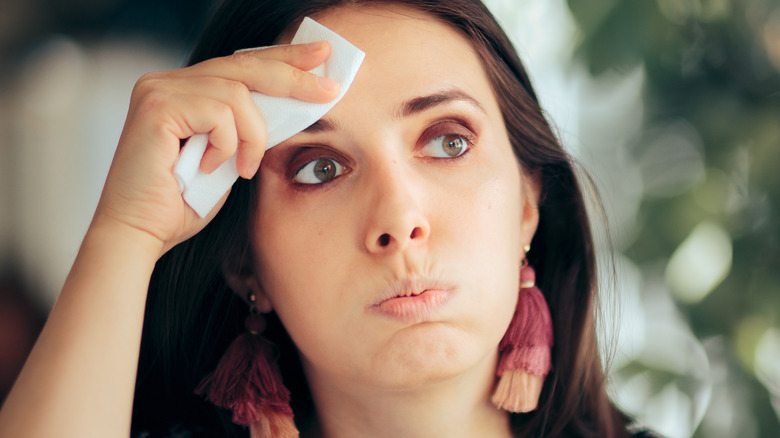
211,97
80,376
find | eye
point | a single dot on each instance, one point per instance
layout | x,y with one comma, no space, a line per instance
318,171
446,146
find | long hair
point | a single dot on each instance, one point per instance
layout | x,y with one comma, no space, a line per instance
192,315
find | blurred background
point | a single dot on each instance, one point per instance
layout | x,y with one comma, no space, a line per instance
672,107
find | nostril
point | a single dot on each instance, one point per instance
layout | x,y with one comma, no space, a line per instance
416,232
384,240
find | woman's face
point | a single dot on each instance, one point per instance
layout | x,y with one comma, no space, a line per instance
389,234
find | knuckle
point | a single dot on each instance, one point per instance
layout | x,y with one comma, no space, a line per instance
222,111
150,90
300,77
224,143
243,59
145,83
237,90
152,98
150,76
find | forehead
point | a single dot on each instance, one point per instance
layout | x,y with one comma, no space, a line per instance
387,25
408,53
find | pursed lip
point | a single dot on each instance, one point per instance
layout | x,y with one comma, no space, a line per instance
412,299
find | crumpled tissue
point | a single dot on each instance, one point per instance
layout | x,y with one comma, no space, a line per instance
284,117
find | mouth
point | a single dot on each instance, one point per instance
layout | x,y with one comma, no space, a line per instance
412,300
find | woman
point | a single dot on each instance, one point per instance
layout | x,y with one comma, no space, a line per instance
430,178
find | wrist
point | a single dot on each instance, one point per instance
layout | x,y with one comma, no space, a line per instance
125,236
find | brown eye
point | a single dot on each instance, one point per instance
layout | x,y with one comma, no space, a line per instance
453,145
324,170
446,146
318,171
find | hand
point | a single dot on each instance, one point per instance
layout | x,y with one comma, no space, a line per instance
211,97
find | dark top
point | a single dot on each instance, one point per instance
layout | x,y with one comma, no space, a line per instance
183,432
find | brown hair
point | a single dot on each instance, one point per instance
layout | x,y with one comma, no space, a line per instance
192,315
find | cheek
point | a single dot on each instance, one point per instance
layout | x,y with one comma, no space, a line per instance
488,211
486,242
301,262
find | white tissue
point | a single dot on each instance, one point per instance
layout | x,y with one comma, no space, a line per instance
284,117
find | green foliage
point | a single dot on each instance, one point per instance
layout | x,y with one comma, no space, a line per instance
715,66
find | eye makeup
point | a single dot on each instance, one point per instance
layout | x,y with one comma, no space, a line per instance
459,130
456,128
304,156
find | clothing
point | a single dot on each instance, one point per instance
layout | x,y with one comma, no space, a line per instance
184,432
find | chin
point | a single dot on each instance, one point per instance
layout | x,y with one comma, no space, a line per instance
426,354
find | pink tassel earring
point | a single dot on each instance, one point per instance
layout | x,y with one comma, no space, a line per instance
524,352
249,384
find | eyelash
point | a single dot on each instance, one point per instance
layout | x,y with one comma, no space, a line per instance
309,155
454,127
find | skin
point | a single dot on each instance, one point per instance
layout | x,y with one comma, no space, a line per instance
319,252
79,379
399,207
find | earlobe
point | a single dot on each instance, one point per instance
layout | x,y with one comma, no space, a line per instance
242,279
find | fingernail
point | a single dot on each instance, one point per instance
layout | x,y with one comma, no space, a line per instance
252,169
328,84
315,45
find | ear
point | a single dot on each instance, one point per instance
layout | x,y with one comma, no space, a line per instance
239,273
532,186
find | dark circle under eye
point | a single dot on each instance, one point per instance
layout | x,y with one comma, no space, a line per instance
453,145
324,169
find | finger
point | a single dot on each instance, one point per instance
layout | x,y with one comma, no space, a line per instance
248,161
302,56
251,132
191,114
283,80
249,123
223,144
250,150
191,95
271,74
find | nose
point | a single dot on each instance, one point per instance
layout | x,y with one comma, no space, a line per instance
395,219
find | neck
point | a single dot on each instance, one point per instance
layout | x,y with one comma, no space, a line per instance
454,407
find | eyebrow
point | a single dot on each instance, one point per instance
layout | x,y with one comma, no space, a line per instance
408,108
321,125
423,103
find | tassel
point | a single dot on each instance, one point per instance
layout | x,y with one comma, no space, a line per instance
518,391
273,425
248,384
524,352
